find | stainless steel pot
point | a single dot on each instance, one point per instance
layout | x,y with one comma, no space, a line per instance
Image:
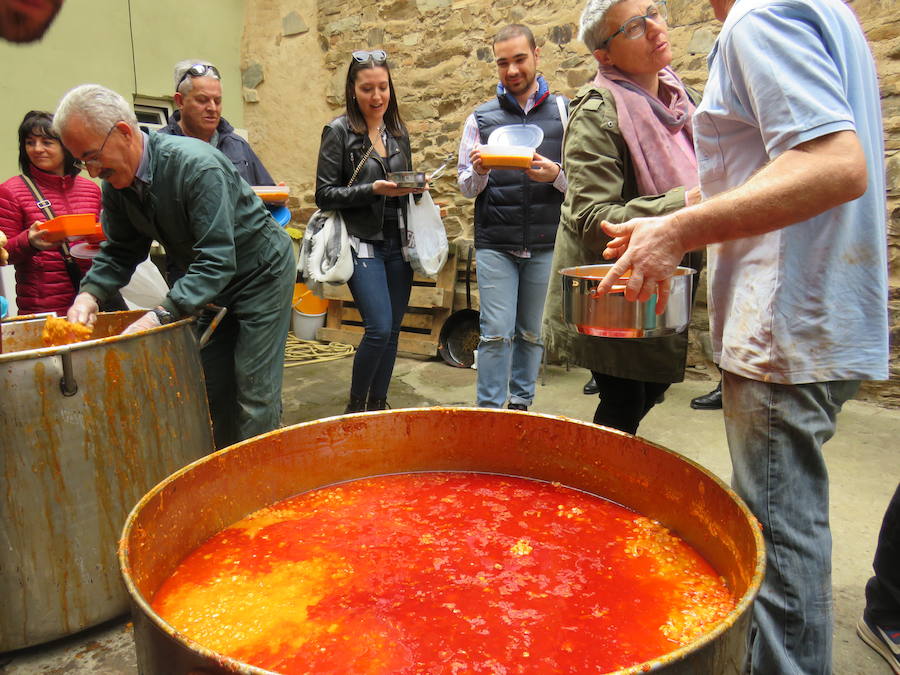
86,429
202,499
611,315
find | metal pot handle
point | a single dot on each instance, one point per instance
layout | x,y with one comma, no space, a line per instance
217,319
67,384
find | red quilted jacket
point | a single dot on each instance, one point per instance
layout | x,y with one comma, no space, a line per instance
42,283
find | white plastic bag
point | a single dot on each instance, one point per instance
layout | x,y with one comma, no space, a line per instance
427,247
325,253
147,287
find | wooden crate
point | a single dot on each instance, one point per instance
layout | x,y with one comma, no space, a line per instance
430,303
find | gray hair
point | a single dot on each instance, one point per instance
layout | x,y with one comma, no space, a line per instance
97,106
592,31
180,69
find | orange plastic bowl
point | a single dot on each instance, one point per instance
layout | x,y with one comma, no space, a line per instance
72,225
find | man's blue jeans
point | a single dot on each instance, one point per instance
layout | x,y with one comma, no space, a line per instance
380,287
775,436
511,293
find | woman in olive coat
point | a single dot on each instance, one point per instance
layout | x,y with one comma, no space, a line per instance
628,152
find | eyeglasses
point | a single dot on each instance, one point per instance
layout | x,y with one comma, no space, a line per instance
199,70
377,56
636,26
82,164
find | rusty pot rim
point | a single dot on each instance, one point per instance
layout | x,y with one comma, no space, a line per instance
43,352
741,606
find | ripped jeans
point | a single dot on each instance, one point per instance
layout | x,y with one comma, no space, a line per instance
511,295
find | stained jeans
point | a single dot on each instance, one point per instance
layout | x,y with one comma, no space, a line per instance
380,287
511,294
775,436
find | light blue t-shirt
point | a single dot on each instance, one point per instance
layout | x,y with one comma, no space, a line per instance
807,303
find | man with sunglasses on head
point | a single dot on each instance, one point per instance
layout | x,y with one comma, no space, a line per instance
187,195
790,151
516,216
198,97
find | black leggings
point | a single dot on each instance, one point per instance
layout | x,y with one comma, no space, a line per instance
623,403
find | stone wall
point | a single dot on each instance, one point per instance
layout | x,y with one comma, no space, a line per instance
295,55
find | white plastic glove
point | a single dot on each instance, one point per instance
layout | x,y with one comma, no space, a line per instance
146,322
83,310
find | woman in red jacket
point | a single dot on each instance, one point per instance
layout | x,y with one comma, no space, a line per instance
43,283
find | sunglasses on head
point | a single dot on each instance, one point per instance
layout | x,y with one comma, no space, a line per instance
200,70
377,56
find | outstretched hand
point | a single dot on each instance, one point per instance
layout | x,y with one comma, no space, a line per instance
650,251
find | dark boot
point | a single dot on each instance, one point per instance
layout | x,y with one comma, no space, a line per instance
377,404
710,401
591,388
356,404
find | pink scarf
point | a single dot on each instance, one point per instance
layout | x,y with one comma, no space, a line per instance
650,128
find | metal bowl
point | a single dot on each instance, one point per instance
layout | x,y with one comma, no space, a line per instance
611,315
407,179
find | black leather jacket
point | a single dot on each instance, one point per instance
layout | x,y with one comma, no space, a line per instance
339,153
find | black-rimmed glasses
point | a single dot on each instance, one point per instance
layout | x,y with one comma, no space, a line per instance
636,26
376,56
82,164
200,70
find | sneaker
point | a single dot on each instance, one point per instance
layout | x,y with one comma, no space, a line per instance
517,406
885,642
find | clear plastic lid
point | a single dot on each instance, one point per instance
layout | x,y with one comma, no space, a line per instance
527,135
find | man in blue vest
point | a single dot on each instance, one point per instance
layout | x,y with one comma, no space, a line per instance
516,216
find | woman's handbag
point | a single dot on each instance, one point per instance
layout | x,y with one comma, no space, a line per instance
325,253
427,247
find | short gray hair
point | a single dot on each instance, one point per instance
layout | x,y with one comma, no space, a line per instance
591,31
97,106
180,69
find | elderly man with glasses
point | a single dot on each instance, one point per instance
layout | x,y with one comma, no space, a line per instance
189,197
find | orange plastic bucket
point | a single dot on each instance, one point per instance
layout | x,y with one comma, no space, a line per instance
306,303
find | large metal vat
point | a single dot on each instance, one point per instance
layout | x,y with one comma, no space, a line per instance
85,430
198,501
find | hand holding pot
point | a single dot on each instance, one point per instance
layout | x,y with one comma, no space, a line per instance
84,309
651,250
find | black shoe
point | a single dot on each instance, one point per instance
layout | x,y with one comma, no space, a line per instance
710,401
660,399
517,406
591,387
377,404
356,404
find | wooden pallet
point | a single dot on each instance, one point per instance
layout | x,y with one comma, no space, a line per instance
430,303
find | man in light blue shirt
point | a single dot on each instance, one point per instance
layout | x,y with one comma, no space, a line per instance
791,160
